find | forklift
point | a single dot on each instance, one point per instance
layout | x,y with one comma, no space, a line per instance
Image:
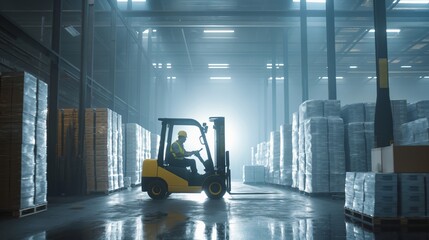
159,179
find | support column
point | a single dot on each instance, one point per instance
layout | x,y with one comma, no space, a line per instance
286,77
330,42
383,123
81,186
304,50
52,161
273,83
112,57
90,54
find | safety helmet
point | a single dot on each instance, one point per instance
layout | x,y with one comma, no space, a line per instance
182,134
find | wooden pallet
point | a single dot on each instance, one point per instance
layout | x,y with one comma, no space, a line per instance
385,221
18,213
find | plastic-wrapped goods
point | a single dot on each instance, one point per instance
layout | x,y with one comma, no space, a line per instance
301,157
355,147
369,142
369,112
274,157
295,149
120,153
337,161
415,132
133,149
358,192
349,190
41,184
331,108
316,152
418,110
101,159
286,155
412,195
154,140
399,116
381,195
310,108
353,113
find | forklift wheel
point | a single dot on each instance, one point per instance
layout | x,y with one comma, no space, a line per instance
157,189
215,188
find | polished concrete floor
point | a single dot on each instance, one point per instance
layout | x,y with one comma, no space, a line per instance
251,212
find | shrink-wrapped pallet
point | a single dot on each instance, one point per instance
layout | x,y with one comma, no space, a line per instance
415,132
355,147
295,149
337,162
349,190
412,195
399,116
381,194
23,109
133,152
274,156
418,110
316,152
286,155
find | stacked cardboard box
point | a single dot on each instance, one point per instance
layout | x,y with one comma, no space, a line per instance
101,140
415,132
23,108
412,195
381,195
399,117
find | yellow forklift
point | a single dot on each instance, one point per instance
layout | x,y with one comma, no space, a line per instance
159,179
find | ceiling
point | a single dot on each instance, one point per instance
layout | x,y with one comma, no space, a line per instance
262,30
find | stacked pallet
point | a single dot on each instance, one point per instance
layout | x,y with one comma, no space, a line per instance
274,158
359,135
286,155
387,195
103,166
23,113
253,174
137,149
320,148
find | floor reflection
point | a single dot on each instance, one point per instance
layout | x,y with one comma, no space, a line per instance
358,231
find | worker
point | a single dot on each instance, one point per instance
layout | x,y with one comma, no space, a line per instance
179,153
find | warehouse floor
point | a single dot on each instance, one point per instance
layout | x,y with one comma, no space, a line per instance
255,212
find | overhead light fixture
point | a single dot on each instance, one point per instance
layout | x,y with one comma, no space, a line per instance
389,30
171,78
424,77
278,65
312,1
326,78
218,65
218,31
168,65
353,67
406,66
132,0
277,78
220,78
73,32
414,1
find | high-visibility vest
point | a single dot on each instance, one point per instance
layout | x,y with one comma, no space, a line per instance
180,154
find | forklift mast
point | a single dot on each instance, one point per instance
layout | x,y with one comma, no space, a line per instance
219,127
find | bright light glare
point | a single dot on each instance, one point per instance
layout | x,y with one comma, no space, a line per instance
277,78
132,0
392,30
218,31
218,65
406,66
326,78
414,1
311,1
220,78
353,67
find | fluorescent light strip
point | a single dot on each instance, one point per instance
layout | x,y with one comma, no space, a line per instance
168,65
218,65
220,78
132,0
406,66
312,1
414,1
353,67
278,65
277,78
326,78
390,30
218,31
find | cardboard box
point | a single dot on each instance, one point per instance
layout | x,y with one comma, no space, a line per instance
405,159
